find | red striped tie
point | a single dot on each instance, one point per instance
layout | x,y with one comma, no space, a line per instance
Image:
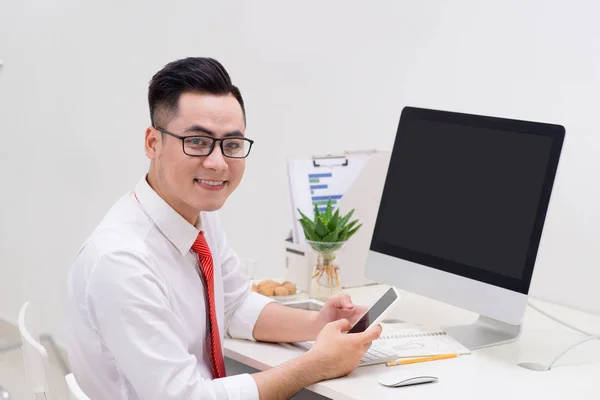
205,263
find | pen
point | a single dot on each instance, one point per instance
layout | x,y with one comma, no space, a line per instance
418,360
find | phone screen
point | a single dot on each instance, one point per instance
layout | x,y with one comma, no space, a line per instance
374,312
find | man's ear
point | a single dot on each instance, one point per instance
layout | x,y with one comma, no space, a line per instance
152,143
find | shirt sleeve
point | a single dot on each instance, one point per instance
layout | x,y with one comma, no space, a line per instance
129,308
242,307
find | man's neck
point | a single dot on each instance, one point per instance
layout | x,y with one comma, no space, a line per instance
191,216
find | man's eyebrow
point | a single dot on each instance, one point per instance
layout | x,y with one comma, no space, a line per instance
235,133
202,130
199,129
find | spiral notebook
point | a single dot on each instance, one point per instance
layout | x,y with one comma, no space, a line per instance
408,340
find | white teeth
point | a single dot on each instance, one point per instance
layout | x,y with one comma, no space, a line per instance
211,183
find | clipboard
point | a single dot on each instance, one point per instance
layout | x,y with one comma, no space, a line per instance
317,180
355,180
341,160
329,160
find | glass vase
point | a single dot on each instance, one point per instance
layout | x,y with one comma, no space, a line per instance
325,281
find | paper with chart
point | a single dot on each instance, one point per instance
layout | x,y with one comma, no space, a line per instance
408,340
310,185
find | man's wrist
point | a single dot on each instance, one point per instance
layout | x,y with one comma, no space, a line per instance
314,325
309,362
290,377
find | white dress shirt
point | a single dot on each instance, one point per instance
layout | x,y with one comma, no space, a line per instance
137,313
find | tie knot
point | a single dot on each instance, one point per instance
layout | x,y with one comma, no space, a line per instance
200,246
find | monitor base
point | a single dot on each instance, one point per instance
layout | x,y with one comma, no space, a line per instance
484,332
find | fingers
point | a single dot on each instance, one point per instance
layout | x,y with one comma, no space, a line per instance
342,301
360,310
346,302
357,313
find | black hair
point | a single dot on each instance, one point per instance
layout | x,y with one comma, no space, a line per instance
192,74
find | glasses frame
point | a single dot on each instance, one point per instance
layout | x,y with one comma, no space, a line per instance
212,147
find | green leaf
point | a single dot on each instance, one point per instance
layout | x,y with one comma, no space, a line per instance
334,221
317,213
304,217
351,224
306,220
344,220
343,234
328,212
353,231
308,226
320,227
331,237
309,230
302,214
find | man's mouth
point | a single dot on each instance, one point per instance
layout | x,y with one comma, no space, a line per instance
211,183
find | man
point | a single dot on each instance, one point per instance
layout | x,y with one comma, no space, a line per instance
155,288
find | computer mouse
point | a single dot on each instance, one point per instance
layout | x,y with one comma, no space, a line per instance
4,395
403,377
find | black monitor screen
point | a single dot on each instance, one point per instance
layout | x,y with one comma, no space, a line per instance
468,194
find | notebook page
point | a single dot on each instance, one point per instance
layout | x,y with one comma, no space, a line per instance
407,340
403,329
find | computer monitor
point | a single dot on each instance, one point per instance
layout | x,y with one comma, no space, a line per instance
461,215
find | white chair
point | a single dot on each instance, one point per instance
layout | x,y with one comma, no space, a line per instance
35,357
75,392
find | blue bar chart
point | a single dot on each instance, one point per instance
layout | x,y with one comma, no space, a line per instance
320,190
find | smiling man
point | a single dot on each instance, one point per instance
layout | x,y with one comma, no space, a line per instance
156,287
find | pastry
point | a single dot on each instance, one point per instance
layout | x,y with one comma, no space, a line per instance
269,287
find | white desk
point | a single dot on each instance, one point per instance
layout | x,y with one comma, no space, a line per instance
490,373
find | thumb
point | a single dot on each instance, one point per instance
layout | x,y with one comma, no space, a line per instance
371,334
341,325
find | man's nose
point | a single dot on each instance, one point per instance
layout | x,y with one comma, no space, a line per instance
216,160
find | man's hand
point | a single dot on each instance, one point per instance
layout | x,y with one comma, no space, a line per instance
334,354
336,308
278,323
338,353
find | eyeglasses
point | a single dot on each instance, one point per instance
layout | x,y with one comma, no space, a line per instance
198,146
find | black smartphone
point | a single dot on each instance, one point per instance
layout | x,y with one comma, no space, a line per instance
377,312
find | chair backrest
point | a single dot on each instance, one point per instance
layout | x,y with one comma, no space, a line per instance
75,392
35,356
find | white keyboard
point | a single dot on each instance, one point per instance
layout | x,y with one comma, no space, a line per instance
375,355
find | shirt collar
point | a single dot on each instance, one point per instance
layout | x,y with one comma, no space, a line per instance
175,228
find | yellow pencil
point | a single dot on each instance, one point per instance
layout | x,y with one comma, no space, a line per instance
419,360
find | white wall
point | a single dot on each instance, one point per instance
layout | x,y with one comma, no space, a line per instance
317,77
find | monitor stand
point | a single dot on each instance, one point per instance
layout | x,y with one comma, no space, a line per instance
484,332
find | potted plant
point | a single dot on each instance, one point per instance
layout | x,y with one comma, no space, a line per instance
326,234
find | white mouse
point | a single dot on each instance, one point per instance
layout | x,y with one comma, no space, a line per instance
4,395
404,376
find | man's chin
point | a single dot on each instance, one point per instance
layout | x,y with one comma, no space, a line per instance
211,208
210,205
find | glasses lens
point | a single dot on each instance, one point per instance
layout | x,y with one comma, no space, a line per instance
198,146
236,147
